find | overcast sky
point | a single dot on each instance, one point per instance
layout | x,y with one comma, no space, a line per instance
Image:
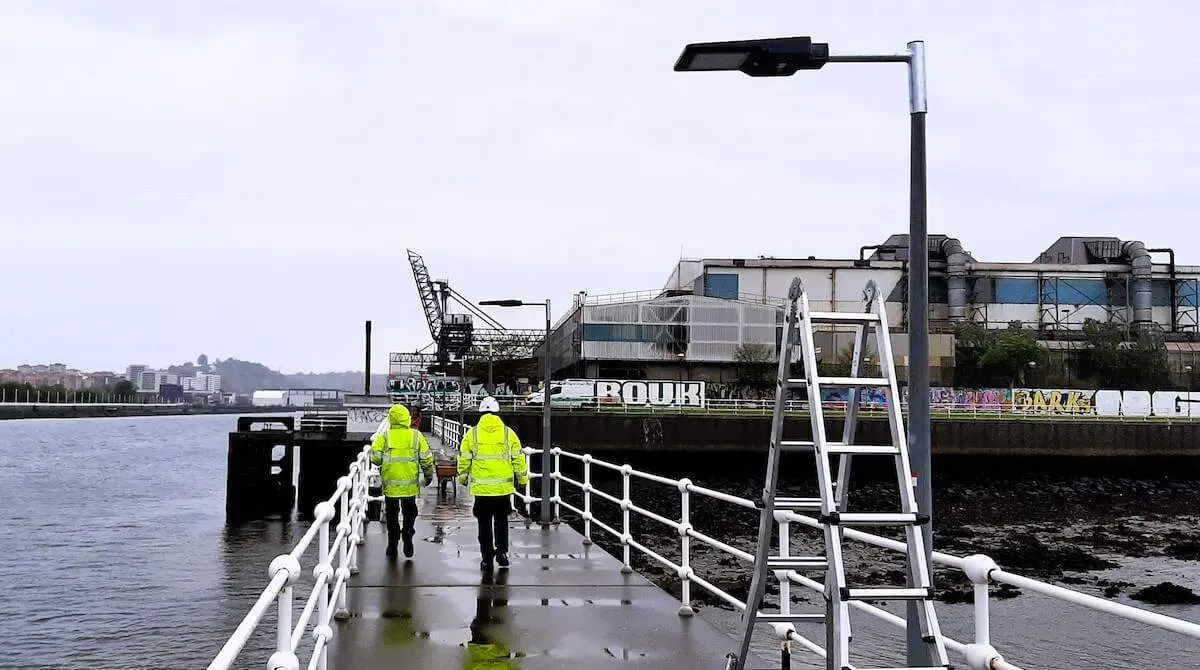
242,179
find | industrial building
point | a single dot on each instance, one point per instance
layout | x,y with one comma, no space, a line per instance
709,308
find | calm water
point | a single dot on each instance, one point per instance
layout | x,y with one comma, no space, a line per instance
116,555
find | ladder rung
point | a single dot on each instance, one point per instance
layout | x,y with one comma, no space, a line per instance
776,617
843,317
853,382
808,504
863,449
797,563
873,518
887,593
841,448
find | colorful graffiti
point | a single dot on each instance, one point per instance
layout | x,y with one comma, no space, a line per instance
1053,401
867,398
943,398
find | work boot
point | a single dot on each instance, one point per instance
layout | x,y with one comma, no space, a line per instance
408,546
502,560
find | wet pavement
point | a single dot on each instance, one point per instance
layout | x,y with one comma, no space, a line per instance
560,604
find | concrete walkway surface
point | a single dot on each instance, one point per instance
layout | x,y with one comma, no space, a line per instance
560,605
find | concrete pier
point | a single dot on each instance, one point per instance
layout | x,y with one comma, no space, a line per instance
560,605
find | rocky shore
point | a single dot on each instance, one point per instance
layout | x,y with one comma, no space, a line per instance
1081,531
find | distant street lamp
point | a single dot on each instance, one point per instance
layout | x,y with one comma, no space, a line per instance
546,484
491,387
1187,369
782,57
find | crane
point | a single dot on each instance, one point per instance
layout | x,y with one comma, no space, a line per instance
455,333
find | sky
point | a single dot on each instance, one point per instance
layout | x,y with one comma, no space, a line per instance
243,179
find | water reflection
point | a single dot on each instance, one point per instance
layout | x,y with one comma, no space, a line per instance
486,648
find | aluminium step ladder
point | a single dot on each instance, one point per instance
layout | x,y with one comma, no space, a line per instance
831,506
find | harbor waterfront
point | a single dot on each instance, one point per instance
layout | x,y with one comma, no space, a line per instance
150,576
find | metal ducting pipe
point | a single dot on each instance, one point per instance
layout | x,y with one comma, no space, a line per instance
956,278
1174,286
1139,259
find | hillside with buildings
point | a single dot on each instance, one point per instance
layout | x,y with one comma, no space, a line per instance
200,382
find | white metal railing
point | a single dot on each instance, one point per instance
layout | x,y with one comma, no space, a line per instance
981,570
328,597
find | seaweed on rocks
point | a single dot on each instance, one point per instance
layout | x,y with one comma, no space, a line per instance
1184,551
1167,593
1025,551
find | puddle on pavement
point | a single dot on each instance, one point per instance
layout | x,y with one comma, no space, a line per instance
569,602
486,645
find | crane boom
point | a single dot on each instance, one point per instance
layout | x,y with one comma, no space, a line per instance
434,315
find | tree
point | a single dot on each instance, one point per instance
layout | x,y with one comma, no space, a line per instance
754,363
1009,352
507,367
987,357
125,388
202,360
1114,361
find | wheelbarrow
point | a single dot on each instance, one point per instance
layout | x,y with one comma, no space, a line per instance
447,472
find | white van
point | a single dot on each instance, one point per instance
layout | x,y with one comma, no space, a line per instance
567,393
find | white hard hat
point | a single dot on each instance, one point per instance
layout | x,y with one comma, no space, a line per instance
489,404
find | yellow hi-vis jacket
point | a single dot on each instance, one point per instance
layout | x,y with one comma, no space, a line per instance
398,451
490,456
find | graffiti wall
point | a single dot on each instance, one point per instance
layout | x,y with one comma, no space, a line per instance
1053,401
1041,401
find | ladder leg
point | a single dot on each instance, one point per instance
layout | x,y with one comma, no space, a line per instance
852,401
919,571
767,513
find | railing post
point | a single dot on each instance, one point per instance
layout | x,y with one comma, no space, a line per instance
685,549
557,481
587,499
626,568
343,528
785,585
284,658
978,569
323,568
356,516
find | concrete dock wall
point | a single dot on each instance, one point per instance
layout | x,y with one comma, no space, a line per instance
968,437
80,411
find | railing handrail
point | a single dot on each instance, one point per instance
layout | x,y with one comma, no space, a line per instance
328,597
978,568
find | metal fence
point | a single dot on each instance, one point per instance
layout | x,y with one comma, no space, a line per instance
979,653
328,596
327,600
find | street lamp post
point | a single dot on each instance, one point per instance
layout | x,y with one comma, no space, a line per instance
547,486
491,387
462,393
783,57
1187,369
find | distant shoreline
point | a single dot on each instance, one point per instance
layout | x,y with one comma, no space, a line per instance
68,411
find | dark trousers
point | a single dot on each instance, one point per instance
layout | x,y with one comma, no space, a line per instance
392,507
492,513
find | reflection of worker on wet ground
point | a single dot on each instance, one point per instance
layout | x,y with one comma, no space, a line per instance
485,651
